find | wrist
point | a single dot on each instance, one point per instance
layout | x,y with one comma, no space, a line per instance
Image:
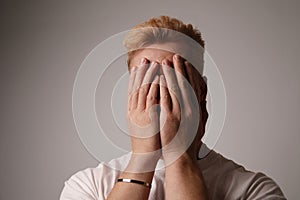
143,162
185,160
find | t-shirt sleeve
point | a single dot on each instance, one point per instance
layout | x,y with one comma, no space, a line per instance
263,187
89,184
80,186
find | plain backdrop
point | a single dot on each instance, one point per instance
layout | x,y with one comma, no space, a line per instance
255,44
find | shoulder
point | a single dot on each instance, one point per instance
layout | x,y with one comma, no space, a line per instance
236,182
92,183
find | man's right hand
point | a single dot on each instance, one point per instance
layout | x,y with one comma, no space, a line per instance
142,115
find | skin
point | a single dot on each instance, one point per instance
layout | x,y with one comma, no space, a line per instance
162,78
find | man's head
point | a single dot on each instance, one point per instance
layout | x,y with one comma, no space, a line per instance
160,38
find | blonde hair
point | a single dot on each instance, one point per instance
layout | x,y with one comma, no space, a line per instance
159,30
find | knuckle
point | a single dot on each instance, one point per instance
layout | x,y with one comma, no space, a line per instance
140,106
134,89
174,88
150,98
166,97
143,90
171,118
181,81
185,86
134,94
189,113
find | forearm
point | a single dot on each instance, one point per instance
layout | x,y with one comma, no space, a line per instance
135,170
143,124
184,180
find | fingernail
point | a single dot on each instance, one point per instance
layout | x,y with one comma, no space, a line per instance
132,69
176,56
155,64
144,61
164,62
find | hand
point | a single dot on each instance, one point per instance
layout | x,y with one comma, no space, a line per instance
142,115
181,111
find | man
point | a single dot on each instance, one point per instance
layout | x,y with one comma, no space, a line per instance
166,118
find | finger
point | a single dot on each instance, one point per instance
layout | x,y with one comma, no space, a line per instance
150,73
134,99
193,77
131,79
140,72
182,80
171,84
153,93
198,82
191,74
130,86
178,65
144,89
165,99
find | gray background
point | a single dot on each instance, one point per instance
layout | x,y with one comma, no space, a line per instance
255,44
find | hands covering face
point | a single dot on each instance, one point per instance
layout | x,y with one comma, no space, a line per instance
166,111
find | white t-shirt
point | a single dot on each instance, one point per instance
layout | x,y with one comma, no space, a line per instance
224,180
